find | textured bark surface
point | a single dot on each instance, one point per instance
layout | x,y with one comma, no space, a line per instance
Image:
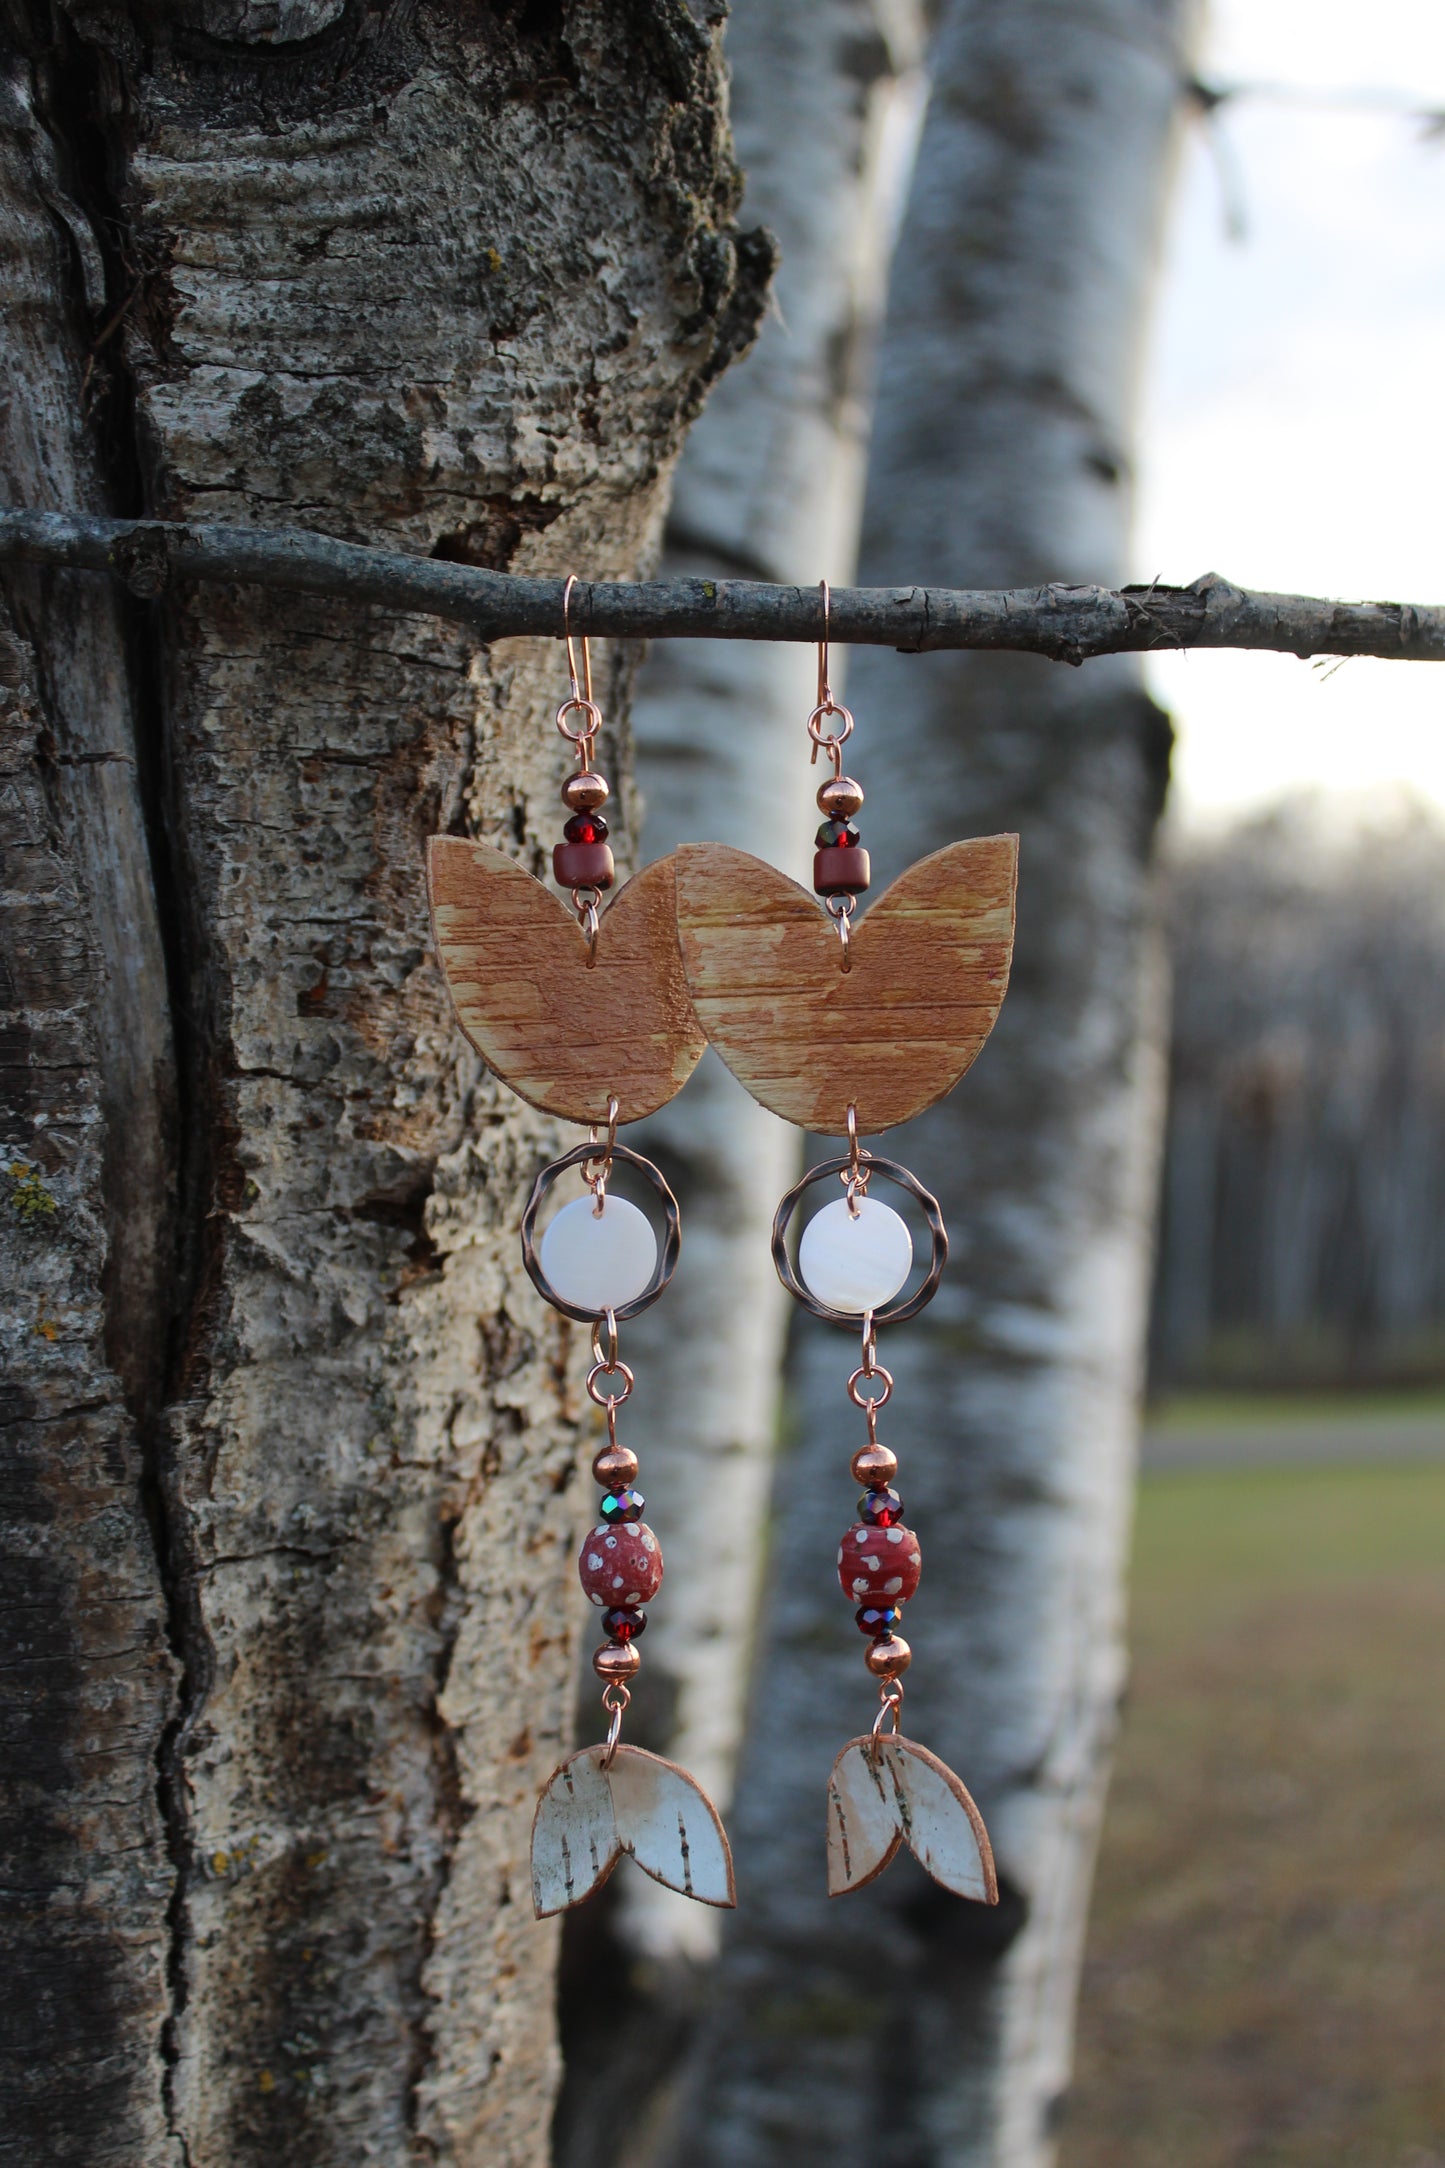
1001,455
769,488
293,1439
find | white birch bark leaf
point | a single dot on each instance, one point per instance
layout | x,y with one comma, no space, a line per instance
574,1834
887,1792
671,1827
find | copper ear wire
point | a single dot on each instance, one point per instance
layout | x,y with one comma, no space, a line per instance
579,700
828,741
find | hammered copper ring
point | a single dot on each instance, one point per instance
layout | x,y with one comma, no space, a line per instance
891,1171
666,1257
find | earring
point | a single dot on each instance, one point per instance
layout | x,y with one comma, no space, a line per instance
599,1049
849,1033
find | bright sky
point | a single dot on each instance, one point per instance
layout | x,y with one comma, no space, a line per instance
1293,432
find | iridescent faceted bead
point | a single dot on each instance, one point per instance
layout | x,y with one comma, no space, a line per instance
625,1625
620,1568
880,1507
837,833
622,1505
876,1618
879,1565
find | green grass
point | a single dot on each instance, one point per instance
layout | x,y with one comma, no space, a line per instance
1265,1980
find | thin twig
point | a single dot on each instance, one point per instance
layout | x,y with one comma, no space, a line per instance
1068,624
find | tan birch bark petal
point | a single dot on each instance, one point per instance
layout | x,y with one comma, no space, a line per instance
574,1834
884,1792
671,1827
566,1038
890,1035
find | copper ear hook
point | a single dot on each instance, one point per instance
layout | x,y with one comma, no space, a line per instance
582,694
829,741
579,699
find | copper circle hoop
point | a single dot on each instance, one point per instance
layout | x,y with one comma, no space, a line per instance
666,1258
894,1314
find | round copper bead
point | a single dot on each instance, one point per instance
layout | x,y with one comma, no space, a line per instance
872,1464
583,865
841,869
888,1657
615,1467
840,798
618,1661
584,793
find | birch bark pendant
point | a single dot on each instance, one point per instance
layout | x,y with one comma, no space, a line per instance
850,1033
588,1017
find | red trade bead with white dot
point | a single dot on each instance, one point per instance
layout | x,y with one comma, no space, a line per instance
879,1565
621,1566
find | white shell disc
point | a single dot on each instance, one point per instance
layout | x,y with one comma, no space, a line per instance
599,1261
858,1264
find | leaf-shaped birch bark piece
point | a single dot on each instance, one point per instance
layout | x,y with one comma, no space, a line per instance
589,1816
929,963
574,1834
887,1792
566,1037
670,1826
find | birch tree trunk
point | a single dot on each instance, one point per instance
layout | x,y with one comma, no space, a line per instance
769,487
289,1450
902,2025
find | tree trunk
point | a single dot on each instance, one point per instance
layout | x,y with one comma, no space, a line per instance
902,2025
290,1444
769,487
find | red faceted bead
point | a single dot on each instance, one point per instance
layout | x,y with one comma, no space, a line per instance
624,1625
841,870
880,1506
621,1567
585,828
877,1619
583,865
879,1565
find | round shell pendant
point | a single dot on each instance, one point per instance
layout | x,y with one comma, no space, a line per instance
857,1263
599,1260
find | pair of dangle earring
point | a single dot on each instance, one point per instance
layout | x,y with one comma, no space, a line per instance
846,1033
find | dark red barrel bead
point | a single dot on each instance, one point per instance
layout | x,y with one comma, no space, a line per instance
583,865
840,869
879,1565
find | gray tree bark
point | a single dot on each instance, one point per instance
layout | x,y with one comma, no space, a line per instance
289,1446
901,2025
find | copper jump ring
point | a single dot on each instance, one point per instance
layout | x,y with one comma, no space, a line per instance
596,1170
890,1700
840,909
615,1698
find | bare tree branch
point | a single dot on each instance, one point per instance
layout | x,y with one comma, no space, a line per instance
1068,624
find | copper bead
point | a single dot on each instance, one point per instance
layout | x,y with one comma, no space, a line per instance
584,793
616,1662
872,1464
888,1657
840,798
615,1467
